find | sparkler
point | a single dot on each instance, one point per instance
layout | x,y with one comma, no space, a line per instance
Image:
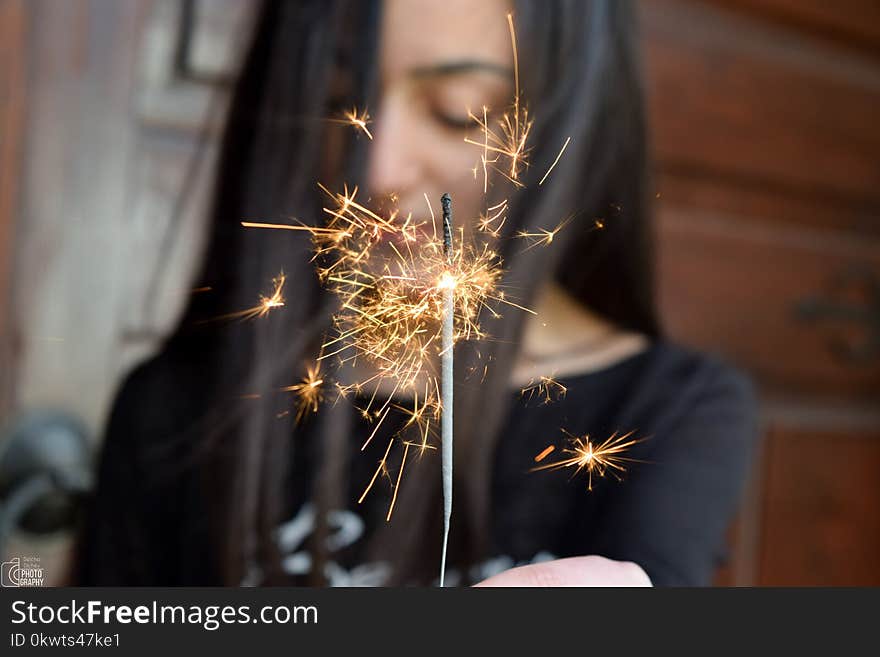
602,458
447,372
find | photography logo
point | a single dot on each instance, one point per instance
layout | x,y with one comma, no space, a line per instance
21,571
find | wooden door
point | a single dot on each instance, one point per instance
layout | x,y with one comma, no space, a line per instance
765,127
109,117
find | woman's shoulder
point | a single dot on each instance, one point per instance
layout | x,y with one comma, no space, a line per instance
706,374
666,382
152,399
664,359
675,363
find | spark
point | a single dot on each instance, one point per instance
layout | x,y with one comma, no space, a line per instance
309,392
484,157
504,144
544,386
276,299
506,141
561,151
602,458
543,236
544,453
382,467
487,221
357,119
255,224
397,484
265,303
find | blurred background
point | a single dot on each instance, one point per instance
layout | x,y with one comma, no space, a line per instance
766,139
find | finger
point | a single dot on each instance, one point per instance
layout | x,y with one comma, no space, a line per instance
574,571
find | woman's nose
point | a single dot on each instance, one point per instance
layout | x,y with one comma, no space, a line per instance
393,164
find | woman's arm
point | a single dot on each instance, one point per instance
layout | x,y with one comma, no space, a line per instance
116,544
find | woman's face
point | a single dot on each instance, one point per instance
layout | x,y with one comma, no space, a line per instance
439,59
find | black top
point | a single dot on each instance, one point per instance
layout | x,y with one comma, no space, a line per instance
669,514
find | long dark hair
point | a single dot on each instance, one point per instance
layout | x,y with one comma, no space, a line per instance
308,59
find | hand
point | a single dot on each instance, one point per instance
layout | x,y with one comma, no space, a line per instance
574,571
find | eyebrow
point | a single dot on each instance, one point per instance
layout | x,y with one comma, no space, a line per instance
459,67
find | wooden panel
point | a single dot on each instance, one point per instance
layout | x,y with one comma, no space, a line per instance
119,156
216,28
12,103
741,199
179,115
851,22
74,207
118,151
165,232
735,286
733,97
821,525
766,142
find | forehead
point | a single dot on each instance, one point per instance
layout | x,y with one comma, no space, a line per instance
424,33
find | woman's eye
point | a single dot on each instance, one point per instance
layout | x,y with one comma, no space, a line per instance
451,121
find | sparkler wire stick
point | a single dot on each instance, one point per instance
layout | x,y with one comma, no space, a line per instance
446,393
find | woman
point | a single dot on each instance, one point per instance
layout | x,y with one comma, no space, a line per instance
205,479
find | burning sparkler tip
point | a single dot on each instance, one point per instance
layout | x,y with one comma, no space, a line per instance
446,204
